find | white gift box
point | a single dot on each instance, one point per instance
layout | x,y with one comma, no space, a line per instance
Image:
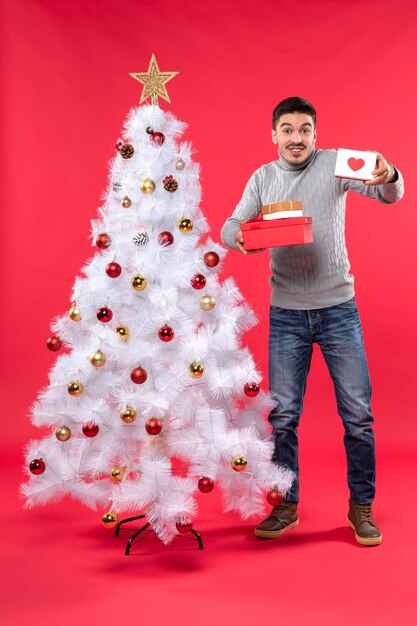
279,215
355,164
282,210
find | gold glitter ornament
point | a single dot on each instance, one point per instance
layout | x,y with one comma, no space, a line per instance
180,164
74,313
128,415
185,225
117,473
122,332
98,359
126,202
239,463
109,520
154,82
196,369
75,388
139,283
63,433
207,302
147,186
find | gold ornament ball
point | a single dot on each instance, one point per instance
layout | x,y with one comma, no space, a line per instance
117,473
74,313
122,332
75,388
180,164
147,186
128,415
63,433
98,359
109,520
126,202
207,302
239,463
196,369
139,283
185,225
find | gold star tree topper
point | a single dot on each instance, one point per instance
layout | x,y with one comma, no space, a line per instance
154,82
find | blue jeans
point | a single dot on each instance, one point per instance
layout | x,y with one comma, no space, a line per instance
338,332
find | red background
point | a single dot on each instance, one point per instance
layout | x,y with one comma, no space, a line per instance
65,93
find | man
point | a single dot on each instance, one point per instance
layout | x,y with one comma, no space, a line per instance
312,301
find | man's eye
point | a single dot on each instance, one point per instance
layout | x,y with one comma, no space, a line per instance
306,131
286,131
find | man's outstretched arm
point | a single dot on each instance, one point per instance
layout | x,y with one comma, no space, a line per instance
387,186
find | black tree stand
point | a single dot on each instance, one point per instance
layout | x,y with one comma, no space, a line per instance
145,527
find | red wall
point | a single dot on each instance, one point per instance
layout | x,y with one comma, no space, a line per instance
66,91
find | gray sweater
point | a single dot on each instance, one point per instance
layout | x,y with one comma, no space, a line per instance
308,276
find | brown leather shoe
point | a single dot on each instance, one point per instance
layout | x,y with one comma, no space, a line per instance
361,521
282,517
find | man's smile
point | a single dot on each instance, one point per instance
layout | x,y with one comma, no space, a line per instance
296,149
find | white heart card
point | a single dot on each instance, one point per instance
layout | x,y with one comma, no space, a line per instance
356,164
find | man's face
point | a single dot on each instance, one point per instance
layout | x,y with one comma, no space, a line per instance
295,135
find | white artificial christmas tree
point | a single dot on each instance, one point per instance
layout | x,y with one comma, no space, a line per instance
154,397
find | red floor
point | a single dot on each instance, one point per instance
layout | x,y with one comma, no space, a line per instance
62,567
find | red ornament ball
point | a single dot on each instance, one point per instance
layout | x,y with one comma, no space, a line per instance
274,497
90,429
104,314
157,139
198,281
37,466
103,241
165,238
138,375
251,389
166,333
211,259
113,270
54,344
153,426
184,526
206,484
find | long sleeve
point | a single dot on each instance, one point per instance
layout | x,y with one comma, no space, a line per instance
247,208
387,194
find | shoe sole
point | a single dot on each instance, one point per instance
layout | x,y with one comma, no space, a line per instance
271,534
365,541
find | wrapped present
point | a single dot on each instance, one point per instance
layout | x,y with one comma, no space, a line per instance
282,210
260,233
355,164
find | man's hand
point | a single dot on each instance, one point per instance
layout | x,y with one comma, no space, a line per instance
239,244
384,172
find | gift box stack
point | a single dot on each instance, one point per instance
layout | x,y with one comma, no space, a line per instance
279,224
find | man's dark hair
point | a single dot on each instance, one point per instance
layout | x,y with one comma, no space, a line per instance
293,105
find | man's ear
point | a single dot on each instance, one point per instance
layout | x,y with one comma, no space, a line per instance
274,136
